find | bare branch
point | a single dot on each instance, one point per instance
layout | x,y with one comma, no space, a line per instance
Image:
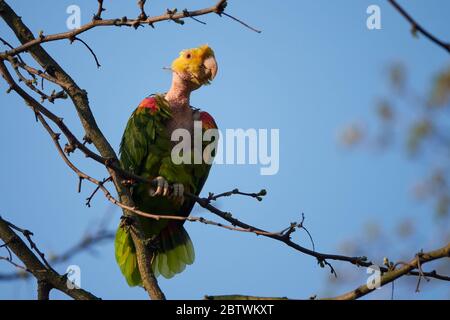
39,270
88,47
258,196
32,83
389,276
10,261
416,27
86,243
241,22
98,15
27,234
217,8
141,5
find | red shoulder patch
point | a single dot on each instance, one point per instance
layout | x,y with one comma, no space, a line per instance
207,121
149,103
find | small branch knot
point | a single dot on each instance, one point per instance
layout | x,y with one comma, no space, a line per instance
221,7
171,13
69,148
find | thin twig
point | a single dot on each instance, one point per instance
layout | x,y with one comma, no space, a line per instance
258,196
9,260
416,27
188,14
6,43
89,199
98,15
88,47
241,22
141,5
28,234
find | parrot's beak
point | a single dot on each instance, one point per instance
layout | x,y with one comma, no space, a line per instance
210,65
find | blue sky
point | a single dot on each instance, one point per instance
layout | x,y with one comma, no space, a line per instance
314,68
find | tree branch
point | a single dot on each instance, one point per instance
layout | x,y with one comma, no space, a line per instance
416,27
389,276
81,103
44,289
40,271
31,41
87,242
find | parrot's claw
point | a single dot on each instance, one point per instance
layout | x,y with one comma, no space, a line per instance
178,192
162,187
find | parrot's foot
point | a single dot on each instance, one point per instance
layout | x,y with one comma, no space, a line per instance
178,192
162,189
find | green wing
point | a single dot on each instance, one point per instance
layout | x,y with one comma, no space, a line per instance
200,171
145,130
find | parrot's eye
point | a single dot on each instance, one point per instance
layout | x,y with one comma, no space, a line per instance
188,56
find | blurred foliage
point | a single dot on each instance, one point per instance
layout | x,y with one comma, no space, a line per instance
440,95
418,124
422,121
352,135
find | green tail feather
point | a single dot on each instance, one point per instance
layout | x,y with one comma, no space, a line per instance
175,252
126,257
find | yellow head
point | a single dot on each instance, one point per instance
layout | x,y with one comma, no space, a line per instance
197,65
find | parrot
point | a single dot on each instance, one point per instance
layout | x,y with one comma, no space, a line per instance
145,150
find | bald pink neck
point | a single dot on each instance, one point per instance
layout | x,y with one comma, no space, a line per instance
179,93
